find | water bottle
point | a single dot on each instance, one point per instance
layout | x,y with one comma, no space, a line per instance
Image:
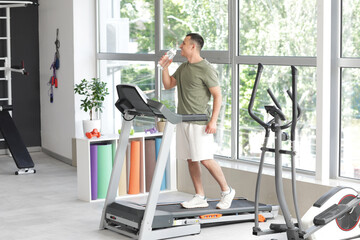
171,54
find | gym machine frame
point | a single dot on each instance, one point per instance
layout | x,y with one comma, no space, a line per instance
166,220
337,211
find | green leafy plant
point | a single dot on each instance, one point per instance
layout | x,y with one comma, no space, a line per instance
94,92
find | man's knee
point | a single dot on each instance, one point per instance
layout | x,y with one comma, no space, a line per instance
207,163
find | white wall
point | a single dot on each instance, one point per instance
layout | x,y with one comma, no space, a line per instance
76,23
84,52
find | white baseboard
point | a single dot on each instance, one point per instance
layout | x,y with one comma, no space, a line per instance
57,156
30,150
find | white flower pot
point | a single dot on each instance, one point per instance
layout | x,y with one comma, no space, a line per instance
89,125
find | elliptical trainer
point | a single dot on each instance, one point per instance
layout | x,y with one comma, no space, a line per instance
335,215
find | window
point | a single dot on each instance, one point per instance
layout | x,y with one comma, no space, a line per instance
223,133
134,34
126,26
350,123
209,18
278,79
350,28
277,28
349,163
115,72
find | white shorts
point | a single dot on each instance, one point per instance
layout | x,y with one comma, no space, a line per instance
192,142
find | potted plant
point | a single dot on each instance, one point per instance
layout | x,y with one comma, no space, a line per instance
94,92
160,123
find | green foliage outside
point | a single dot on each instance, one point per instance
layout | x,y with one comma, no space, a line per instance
259,21
267,28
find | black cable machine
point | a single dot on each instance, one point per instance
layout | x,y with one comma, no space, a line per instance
165,220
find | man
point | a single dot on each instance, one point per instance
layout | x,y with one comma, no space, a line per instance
196,82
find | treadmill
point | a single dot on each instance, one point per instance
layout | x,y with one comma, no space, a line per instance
165,220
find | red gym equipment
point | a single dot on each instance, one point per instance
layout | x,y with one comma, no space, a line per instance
94,133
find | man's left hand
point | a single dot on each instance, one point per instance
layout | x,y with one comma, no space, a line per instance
211,127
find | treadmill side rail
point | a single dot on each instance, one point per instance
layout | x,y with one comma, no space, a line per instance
117,168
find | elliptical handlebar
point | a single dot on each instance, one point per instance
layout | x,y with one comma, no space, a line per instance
296,112
253,96
274,98
295,106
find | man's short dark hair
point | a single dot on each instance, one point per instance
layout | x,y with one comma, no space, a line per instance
196,38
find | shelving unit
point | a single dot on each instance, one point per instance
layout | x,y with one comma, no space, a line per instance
83,163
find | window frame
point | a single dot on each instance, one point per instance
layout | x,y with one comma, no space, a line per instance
326,149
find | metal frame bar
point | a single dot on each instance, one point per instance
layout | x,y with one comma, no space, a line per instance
323,71
117,168
8,57
233,40
146,224
158,44
335,122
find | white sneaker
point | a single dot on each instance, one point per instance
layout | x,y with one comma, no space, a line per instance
195,202
226,199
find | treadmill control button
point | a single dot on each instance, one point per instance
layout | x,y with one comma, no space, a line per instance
211,216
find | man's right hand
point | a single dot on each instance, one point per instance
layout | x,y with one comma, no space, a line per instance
164,61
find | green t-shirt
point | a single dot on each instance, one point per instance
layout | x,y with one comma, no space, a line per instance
193,83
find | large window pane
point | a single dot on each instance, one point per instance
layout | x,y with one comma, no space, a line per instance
115,72
277,28
350,28
223,133
206,17
126,26
278,79
350,123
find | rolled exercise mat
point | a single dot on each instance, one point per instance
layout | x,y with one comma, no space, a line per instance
104,168
150,162
134,181
94,171
113,146
157,149
123,180
142,169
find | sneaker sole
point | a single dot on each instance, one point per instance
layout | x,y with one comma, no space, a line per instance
223,208
230,203
197,206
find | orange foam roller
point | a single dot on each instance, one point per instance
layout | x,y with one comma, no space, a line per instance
134,178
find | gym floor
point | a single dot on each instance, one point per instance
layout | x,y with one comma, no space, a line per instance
45,206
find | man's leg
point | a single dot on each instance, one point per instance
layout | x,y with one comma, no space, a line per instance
195,173
215,170
199,200
228,193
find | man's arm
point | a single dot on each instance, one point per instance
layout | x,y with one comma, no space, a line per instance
168,81
216,93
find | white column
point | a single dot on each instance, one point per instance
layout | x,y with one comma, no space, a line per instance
323,87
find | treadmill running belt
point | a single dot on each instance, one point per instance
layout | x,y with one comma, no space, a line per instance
237,206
